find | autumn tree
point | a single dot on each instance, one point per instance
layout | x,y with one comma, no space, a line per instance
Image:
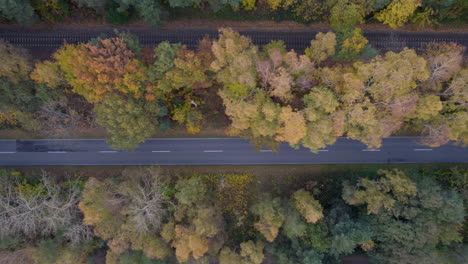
128,214
235,59
322,47
271,216
345,15
443,61
251,253
199,226
32,210
307,206
392,95
393,187
129,121
292,126
95,70
324,122
397,13
16,63
48,73
449,123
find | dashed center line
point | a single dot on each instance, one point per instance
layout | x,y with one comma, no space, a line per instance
108,151
7,152
212,151
160,151
422,149
371,150
266,150
56,152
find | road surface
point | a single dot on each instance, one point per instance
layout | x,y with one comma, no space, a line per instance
42,42
219,151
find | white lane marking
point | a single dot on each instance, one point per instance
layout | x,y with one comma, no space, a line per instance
371,150
107,151
266,150
212,151
7,152
422,149
161,151
323,150
57,152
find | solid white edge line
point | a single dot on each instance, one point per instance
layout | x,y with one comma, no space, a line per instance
422,149
57,152
212,151
371,150
266,150
7,152
160,151
323,150
108,151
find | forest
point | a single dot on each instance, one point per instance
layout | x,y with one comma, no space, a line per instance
339,87
394,13
150,215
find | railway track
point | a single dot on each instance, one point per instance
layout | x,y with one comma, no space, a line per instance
294,39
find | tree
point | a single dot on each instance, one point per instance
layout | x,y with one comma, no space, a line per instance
188,71
401,233
97,70
307,206
324,123
443,60
346,232
322,47
146,203
351,43
188,115
48,73
250,253
271,216
128,120
428,107
99,206
16,64
382,194
19,10
398,12
235,59
391,83
345,15
292,126
43,209
191,191
165,54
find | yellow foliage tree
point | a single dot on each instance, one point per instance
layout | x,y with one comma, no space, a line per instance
307,206
397,13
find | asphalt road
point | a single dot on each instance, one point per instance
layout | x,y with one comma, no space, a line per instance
218,151
47,40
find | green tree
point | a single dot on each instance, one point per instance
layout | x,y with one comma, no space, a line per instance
345,15
271,216
401,234
394,187
129,121
19,10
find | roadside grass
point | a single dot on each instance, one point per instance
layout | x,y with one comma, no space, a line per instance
268,177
